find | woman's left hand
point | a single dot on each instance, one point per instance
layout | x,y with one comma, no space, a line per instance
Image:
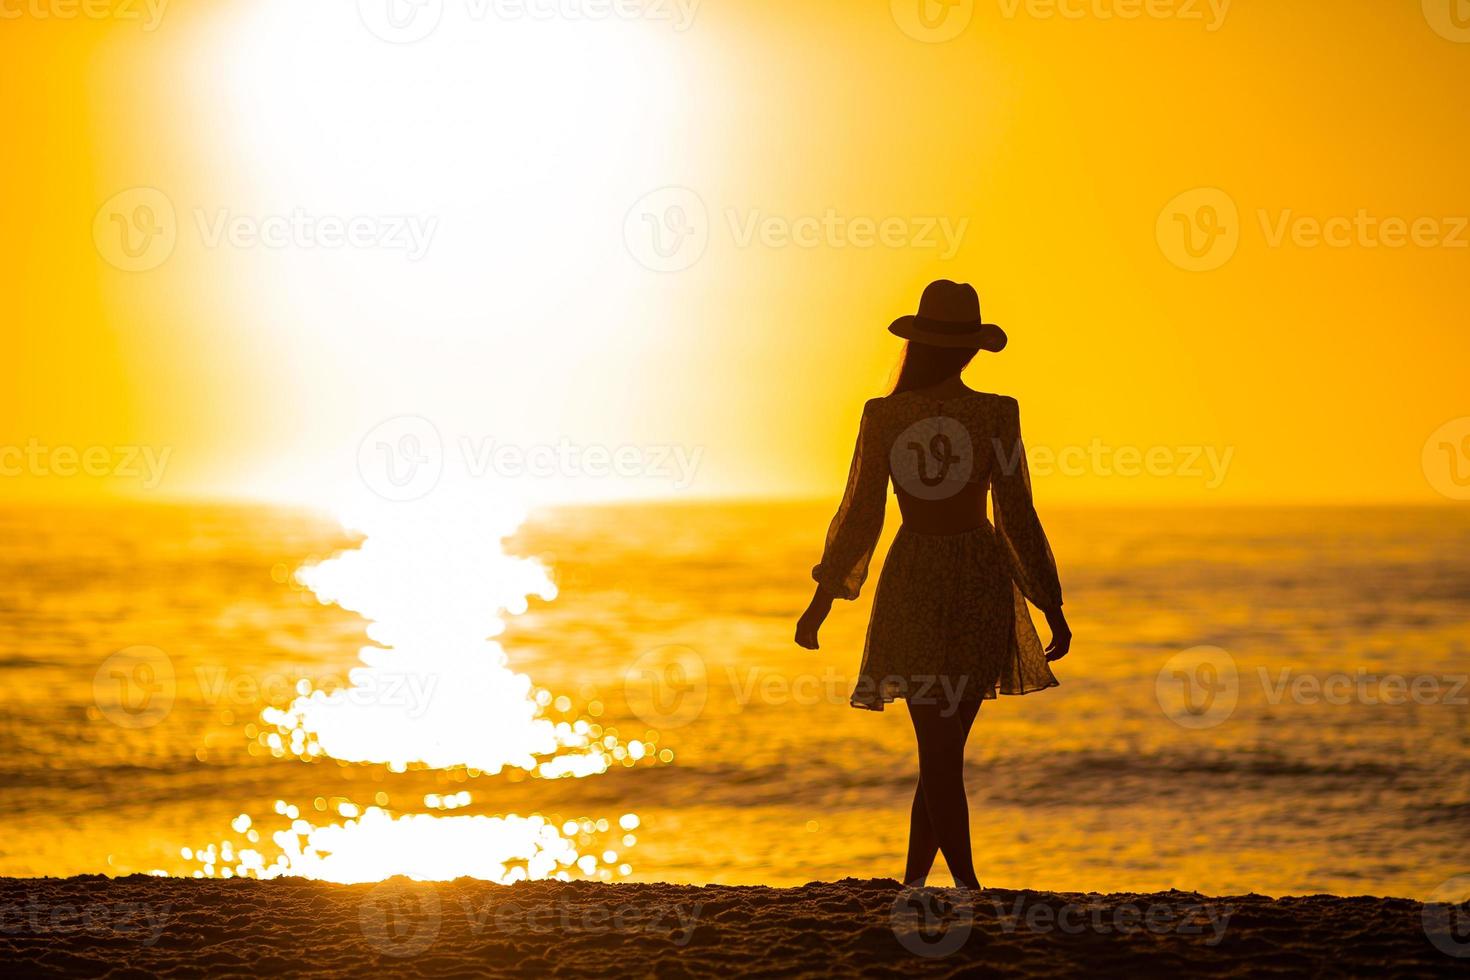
1061,636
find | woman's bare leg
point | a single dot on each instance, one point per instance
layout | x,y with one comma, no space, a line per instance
923,845
940,817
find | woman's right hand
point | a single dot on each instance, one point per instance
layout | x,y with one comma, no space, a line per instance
811,621
1061,635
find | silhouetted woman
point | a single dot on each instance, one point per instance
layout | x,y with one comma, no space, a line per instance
950,626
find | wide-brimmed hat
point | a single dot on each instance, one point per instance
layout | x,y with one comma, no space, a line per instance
949,316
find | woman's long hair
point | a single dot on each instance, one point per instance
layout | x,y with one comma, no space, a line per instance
924,365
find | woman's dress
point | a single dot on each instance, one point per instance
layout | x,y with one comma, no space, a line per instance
949,620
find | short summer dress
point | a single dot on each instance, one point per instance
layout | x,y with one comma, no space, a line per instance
949,617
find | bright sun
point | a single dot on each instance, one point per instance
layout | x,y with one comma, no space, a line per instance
488,168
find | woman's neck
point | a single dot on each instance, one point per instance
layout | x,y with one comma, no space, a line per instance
949,386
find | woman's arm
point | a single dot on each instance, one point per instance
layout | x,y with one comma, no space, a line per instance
1033,567
854,532
811,620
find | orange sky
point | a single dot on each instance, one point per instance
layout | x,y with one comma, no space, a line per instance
1046,147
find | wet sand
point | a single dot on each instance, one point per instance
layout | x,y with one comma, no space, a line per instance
137,926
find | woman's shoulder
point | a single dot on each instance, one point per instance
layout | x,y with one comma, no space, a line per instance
901,399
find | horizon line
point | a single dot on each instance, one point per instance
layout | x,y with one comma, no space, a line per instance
225,499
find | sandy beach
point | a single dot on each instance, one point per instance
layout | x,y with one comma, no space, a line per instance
136,926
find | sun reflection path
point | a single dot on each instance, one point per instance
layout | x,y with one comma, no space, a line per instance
375,845
434,691
433,581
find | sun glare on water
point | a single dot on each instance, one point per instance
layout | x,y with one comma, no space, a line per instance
433,582
434,691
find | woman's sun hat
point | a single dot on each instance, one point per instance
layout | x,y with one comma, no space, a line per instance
949,316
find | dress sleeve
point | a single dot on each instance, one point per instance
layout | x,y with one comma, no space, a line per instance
1019,529
859,522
